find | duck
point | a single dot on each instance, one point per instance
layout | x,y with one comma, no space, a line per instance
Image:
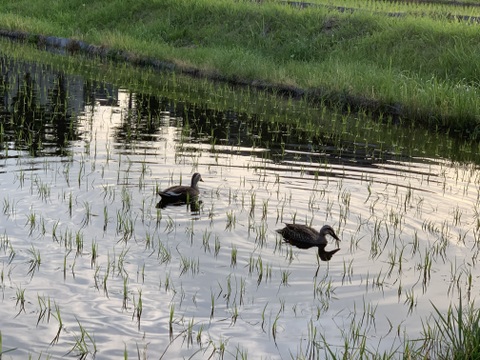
305,237
179,194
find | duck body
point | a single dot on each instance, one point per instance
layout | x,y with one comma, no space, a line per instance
305,237
180,193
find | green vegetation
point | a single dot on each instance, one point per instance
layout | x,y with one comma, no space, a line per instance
456,334
420,69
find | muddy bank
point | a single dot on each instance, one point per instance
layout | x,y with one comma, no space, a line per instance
392,112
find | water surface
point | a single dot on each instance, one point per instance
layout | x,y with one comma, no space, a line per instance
91,267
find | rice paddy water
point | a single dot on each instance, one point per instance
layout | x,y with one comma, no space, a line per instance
89,266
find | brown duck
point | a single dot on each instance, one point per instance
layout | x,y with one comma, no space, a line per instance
305,237
179,194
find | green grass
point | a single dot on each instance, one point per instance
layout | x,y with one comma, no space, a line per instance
454,335
424,69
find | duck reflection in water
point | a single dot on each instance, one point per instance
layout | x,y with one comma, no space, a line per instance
305,237
192,205
181,195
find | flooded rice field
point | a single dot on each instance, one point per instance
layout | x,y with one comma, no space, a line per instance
92,266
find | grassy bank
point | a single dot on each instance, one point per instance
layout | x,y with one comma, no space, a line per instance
421,69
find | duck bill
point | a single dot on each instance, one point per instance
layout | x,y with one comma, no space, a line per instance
335,236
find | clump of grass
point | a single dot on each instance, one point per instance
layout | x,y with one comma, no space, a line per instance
191,265
233,258
84,344
138,308
35,260
20,300
456,334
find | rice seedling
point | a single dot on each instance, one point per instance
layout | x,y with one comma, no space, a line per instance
170,321
94,253
410,300
324,288
125,293
119,263
67,239
81,172
45,309
57,316
241,353
54,230
4,242
252,204
72,268
426,267
87,213
199,334
21,178
212,304
84,343
347,271
261,234
461,240
138,308
170,225
163,253
190,232
231,220
105,277
96,276
148,241
189,265
79,242
20,300
8,206
233,258
217,246
312,350
32,221
189,331
65,266
141,274
285,275
43,189
35,260
2,280
108,192
206,240
264,210
70,204
415,243
126,199
275,328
